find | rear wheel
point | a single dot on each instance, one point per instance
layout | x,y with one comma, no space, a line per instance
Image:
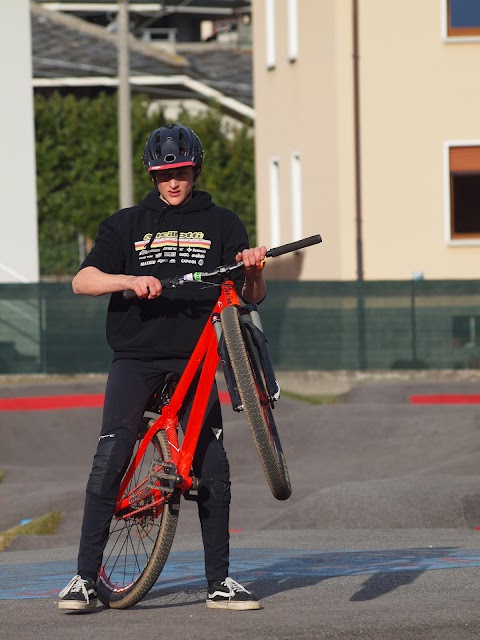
256,403
138,544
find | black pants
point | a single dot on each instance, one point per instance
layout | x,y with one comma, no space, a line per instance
129,386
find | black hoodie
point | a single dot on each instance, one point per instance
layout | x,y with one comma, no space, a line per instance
157,239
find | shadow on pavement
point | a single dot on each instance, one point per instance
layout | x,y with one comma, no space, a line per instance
261,572
382,583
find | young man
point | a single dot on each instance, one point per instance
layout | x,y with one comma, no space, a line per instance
174,230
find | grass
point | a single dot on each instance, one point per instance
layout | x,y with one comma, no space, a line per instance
45,525
310,399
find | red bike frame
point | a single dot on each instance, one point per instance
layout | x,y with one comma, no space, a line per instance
206,354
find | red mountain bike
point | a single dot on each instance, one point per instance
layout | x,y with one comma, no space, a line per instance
148,504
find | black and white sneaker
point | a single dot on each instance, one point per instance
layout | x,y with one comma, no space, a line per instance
78,595
230,595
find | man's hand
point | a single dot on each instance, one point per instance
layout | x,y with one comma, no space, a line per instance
90,281
147,287
255,288
253,260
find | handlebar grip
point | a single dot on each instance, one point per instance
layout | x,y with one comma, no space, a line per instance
129,294
294,246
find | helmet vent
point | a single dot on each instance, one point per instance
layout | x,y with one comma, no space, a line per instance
171,146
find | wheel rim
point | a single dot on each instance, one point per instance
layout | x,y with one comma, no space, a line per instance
256,404
132,537
266,409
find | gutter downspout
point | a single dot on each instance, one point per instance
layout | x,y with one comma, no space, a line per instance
362,352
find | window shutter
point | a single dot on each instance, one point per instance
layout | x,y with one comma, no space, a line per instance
464,159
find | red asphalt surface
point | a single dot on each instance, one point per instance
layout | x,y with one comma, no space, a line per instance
446,399
39,403
81,401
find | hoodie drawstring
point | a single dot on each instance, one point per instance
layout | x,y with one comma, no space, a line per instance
158,226
178,237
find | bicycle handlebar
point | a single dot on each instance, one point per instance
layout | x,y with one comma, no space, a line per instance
201,276
294,246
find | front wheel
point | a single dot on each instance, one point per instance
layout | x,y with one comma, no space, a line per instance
139,543
256,403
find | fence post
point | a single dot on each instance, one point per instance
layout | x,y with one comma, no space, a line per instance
416,276
42,311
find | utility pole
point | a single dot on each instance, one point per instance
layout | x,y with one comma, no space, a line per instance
124,111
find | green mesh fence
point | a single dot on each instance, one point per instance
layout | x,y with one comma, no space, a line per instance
310,325
45,328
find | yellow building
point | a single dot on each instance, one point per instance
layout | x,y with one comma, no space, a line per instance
368,132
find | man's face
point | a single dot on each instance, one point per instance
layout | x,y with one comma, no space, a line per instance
175,185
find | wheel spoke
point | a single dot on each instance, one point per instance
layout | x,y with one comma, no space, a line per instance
138,543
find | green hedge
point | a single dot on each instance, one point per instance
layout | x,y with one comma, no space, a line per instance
77,168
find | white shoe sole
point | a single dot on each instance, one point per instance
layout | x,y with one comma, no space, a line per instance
234,606
72,605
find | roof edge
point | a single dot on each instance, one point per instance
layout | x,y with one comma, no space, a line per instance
78,24
230,104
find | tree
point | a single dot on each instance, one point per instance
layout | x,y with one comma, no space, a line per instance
77,168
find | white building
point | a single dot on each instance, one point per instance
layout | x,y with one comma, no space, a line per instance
18,220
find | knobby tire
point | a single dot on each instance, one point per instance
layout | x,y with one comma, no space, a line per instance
256,404
119,586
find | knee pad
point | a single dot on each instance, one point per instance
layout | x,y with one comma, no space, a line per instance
111,459
211,466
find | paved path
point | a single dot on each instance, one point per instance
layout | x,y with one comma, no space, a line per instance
379,539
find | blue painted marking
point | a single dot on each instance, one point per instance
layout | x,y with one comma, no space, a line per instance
45,580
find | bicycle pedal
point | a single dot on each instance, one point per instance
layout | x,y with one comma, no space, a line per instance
163,476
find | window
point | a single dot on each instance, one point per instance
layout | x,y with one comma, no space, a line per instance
292,21
270,33
274,203
465,331
464,192
463,18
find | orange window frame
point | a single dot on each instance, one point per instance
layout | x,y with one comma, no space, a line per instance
459,31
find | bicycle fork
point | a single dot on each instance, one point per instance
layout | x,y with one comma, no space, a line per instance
251,320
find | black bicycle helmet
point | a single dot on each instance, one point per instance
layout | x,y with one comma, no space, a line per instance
171,146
